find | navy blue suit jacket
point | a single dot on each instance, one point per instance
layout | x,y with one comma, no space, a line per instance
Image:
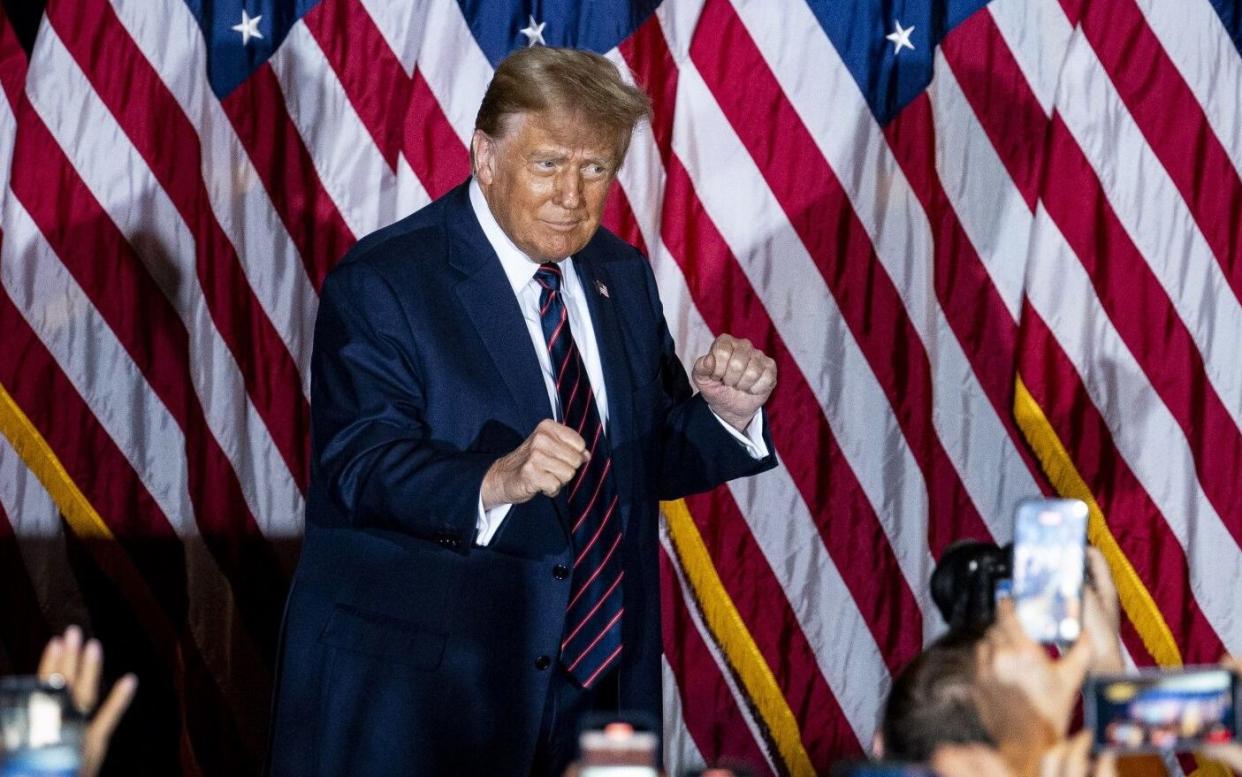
406,648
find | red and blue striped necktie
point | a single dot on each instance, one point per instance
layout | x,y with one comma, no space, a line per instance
591,642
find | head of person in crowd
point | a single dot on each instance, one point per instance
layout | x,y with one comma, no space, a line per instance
550,136
934,701
963,584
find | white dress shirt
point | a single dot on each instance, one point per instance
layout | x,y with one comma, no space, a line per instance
520,270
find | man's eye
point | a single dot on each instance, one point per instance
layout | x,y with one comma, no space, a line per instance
545,164
596,171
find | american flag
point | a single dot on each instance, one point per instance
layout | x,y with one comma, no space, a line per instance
995,249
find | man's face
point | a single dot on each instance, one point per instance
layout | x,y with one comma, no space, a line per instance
546,178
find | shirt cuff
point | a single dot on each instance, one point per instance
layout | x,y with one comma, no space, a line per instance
489,521
752,440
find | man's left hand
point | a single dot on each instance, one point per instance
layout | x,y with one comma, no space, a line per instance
735,378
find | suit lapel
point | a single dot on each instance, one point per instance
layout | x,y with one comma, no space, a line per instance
485,294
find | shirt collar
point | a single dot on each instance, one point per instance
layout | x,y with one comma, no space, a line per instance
518,267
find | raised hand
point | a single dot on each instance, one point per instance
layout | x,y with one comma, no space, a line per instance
79,667
542,464
735,378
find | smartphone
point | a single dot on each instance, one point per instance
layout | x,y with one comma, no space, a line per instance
1163,710
1049,564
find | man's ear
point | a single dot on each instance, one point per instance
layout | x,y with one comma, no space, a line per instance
484,153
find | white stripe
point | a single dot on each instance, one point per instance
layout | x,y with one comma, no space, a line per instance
1061,292
118,177
740,699
354,173
990,209
985,457
681,754
1153,213
95,363
1200,47
30,508
173,43
1038,36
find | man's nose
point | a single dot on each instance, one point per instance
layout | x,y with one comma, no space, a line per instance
569,189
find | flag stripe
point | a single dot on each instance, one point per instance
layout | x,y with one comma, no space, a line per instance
1134,520
161,133
1172,121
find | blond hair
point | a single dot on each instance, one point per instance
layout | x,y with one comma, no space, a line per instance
542,79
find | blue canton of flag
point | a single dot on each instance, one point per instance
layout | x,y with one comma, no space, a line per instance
889,45
241,36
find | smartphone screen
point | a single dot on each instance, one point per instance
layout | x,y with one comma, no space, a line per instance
1163,710
881,769
1049,561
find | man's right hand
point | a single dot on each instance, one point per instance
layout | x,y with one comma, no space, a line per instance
542,464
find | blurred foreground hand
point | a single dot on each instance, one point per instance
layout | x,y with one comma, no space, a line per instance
80,666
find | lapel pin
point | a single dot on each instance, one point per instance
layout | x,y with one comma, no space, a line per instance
602,289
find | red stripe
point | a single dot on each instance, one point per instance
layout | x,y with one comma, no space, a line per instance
603,523
368,70
112,276
1173,122
257,111
595,609
709,709
556,332
1134,519
582,589
590,646
599,430
765,609
432,148
823,217
12,60
971,303
600,670
164,137
598,487
649,57
858,547
1145,318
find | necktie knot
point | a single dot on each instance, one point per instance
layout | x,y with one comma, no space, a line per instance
549,276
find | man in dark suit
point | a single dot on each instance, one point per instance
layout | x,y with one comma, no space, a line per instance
497,409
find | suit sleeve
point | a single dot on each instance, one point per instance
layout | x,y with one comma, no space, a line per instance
696,453
372,446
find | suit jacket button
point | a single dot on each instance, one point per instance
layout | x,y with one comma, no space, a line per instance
542,663
560,571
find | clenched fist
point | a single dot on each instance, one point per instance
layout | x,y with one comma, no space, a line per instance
735,378
542,464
